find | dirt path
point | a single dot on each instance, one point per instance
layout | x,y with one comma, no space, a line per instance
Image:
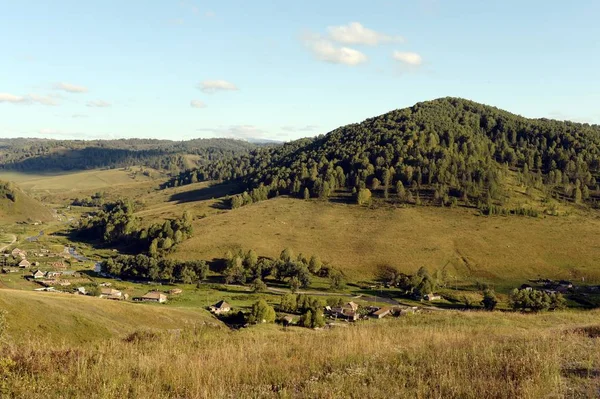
14,239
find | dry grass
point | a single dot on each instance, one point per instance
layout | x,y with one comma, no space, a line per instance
358,239
444,355
75,319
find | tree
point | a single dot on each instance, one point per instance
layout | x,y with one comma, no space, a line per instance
288,303
364,196
258,285
153,250
261,312
314,265
336,279
306,319
294,284
188,275
286,255
306,195
489,301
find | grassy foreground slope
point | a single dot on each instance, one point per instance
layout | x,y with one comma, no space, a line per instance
358,239
443,355
77,319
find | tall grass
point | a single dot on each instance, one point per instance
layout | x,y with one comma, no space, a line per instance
450,355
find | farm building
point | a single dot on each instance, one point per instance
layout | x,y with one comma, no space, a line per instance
154,296
220,307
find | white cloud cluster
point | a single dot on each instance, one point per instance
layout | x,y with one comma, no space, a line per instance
330,47
307,128
244,132
197,104
27,99
325,50
71,88
213,86
356,33
98,104
408,58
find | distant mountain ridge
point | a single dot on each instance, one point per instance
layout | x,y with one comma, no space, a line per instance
443,151
43,154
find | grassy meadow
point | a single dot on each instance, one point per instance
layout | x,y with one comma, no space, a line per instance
499,250
434,355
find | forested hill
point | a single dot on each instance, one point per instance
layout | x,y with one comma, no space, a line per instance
41,154
444,151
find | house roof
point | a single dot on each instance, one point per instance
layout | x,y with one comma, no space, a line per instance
109,291
38,272
382,311
24,262
154,295
352,305
222,305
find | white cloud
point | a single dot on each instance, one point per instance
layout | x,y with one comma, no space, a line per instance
11,98
210,14
355,33
197,104
307,128
408,58
71,88
27,99
236,131
325,50
98,104
213,86
176,21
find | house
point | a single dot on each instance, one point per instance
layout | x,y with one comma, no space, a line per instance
175,291
111,293
154,296
81,291
39,274
24,264
9,270
432,297
287,320
53,274
348,311
381,313
16,252
526,287
220,307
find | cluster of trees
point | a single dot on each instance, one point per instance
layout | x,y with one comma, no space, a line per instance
418,285
95,200
499,210
243,267
142,267
173,156
117,223
438,152
310,309
535,300
261,312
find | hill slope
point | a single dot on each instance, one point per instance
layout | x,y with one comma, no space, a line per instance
80,319
433,152
16,206
502,250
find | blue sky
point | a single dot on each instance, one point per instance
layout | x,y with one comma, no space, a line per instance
284,70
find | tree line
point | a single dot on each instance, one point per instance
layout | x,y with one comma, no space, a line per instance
116,223
142,267
173,156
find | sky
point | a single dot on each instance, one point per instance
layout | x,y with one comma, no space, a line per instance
273,69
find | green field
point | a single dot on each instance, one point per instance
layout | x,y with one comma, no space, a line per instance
495,249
